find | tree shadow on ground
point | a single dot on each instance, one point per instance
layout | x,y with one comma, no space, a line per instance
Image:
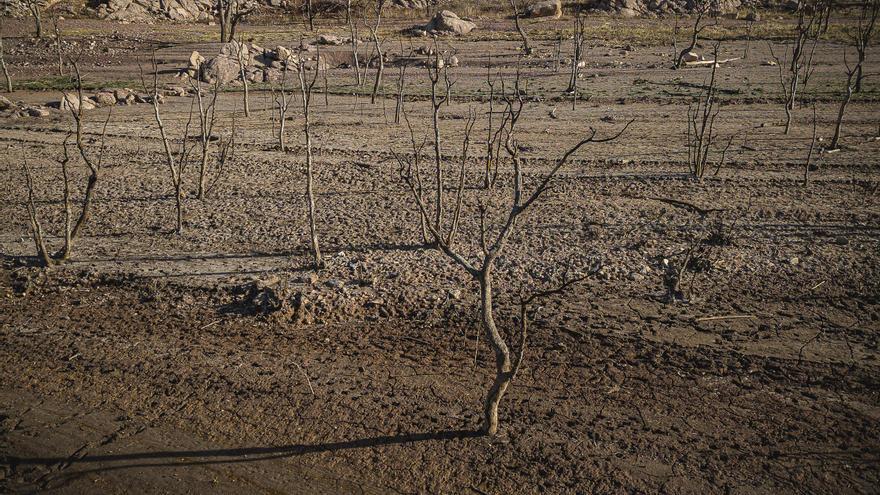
189,458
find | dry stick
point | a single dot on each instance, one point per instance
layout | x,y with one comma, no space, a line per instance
3,67
306,94
810,153
724,317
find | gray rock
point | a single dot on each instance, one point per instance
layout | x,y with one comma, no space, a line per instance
6,104
70,101
104,98
447,22
548,8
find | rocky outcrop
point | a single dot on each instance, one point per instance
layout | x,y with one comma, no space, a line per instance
632,8
447,22
149,10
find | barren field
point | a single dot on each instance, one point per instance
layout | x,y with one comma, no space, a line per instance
221,361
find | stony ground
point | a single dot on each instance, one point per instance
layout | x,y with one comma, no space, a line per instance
220,361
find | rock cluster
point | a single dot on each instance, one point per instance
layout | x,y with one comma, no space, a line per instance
255,63
70,102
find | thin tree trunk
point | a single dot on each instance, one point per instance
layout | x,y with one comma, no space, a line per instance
835,141
503,365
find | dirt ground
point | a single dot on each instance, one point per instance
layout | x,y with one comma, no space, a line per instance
220,361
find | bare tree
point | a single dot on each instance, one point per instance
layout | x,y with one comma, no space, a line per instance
72,228
864,31
808,165
282,103
507,363
863,37
310,14
701,128
793,70
207,114
401,87
230,13
176,165
352,27
58,45
526,48
702,9
242,67
35,7
4,69
377,44
577,55
306,93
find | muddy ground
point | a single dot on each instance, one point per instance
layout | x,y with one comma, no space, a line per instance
220,361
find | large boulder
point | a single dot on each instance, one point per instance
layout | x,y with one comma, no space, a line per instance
225,67
549,8
447,22
194,66
104,98
70,101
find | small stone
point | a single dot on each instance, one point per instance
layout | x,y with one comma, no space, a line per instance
794,261
841,240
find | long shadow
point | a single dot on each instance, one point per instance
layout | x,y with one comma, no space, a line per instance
183,458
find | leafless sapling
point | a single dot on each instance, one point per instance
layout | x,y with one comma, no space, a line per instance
793,64
230,13
58,45
702,9
72,228
282,103
377,44
35,7
577,55
176,165
207,115
242,68
401,88
526,47
864,31
701,134
306,93
507,363
863,38
352,28
809,165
